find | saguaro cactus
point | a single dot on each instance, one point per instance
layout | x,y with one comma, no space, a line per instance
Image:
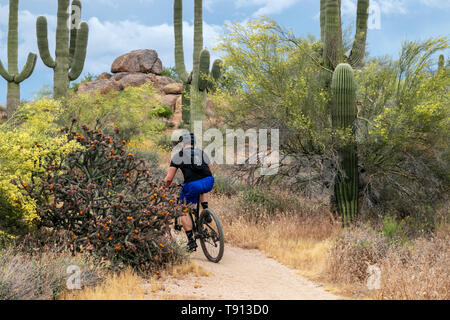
198,81
331,34
441,63
343,104
12,76
71,45
343,113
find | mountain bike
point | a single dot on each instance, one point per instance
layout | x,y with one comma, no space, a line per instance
209,233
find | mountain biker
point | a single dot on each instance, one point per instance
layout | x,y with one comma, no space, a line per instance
198,180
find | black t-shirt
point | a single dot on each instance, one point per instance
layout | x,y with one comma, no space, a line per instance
193,164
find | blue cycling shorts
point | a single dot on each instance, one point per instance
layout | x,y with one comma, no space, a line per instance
192,190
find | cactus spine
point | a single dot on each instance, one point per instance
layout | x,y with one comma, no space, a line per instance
343,116
12,76
71,46
198,82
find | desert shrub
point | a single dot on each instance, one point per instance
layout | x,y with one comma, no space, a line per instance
109,202
41,276
257,203
130,109
171,73
162,111
25,143
419,271
225,185
353,252
394,230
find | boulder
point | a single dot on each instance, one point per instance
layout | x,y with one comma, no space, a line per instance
104,75
173,88
170,100
159,82
103,85
133,79
144,61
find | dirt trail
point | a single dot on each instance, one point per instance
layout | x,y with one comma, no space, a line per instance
245,274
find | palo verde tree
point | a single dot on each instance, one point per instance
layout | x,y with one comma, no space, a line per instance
198,81
12,76
71,45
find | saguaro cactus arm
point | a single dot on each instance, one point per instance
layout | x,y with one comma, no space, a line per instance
178,30
5,74
42,40
205,60
79,56
75,10
27,69
198,33
333,47
359,45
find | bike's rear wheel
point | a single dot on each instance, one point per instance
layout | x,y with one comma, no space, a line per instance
211,236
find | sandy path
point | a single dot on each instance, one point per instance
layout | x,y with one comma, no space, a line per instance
245,274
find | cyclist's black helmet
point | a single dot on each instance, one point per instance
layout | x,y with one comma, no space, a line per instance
186,137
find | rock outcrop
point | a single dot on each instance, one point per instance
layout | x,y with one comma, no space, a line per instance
135,69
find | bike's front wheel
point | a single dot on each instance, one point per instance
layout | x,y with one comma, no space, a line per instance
211,236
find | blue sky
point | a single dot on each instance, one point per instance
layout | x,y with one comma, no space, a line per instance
119,26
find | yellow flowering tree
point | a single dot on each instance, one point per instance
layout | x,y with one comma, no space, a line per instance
25,140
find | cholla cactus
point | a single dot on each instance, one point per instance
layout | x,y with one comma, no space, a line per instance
343,113
198,81
71,46
12,76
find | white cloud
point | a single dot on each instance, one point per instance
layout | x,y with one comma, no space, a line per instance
107,40
386,6
266,6
124,36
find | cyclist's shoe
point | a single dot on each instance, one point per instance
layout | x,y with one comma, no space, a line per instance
192,245
178,227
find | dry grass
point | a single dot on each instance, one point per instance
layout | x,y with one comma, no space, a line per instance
40,276
128,285
307,239
299,239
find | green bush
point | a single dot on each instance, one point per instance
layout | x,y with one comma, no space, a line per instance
258,203
162,111
225,185
109,201
393,230
130,109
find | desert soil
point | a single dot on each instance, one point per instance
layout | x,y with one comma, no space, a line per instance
242,275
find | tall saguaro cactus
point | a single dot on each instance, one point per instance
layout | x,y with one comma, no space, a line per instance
343,103
71,45
12,76
343,115
198,81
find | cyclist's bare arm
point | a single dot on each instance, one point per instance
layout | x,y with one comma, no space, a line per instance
170,175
